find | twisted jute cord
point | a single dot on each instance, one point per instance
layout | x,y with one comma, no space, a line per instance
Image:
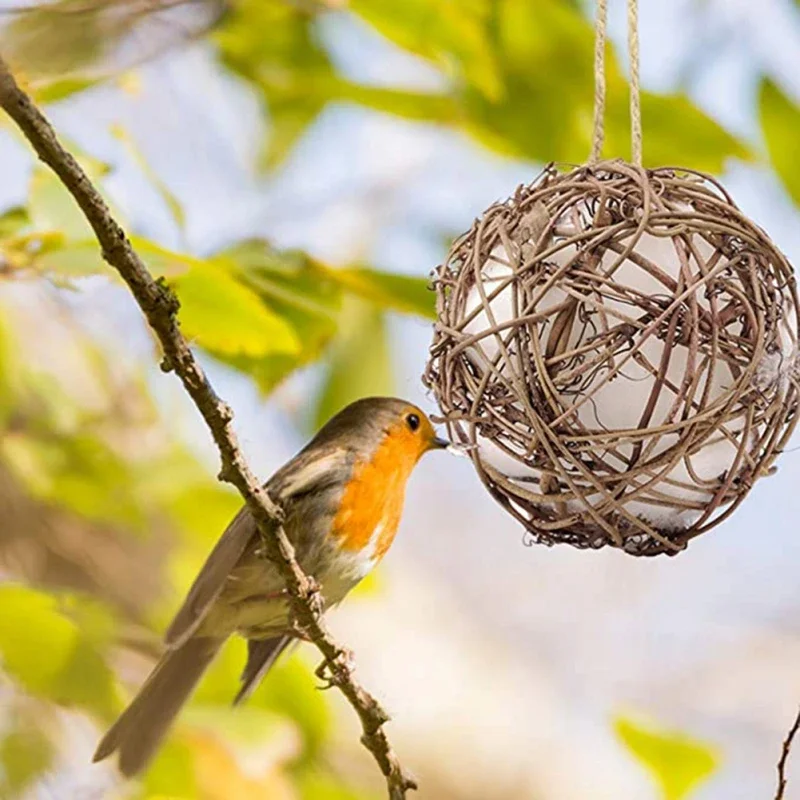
636,105
598,128
598,132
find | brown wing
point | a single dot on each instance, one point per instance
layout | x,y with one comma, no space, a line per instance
309,470
209,582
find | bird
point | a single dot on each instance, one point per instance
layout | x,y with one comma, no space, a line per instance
342,497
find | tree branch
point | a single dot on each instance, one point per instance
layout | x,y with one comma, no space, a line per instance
785,750
160,307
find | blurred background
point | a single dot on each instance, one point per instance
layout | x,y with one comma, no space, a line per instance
296,169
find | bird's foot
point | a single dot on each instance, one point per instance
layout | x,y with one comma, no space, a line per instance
333,673
297,631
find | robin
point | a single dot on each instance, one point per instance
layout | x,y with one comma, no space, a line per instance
342,497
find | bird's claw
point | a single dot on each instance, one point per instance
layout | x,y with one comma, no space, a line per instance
332,674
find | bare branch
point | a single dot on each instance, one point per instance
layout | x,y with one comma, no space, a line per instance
160,307
787,746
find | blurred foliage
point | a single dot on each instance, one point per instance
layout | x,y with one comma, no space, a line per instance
517,76
678,763
106,515
780,122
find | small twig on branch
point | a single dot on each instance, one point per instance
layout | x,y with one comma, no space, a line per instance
160,307
787,747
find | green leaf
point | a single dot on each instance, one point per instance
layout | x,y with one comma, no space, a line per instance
403,293
446,32
13,221
678,133
172,773
314,784
678,763
163,262
274,46
52,207
360,363
245,725
291,690
780,122
61,89
25,753
76,470
44,651
421,106
69,260
302,291
228,318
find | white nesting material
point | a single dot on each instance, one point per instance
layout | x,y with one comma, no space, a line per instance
618,404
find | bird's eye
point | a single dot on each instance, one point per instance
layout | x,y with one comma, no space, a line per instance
413,421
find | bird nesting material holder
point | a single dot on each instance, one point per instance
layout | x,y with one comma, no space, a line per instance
620,348
620,345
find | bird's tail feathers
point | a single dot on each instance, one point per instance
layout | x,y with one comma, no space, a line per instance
142,726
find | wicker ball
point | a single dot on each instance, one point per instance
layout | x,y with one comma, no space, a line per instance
619,347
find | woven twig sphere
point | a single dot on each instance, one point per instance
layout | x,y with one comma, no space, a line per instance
620,347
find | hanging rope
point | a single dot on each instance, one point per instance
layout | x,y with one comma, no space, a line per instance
598,132
636,104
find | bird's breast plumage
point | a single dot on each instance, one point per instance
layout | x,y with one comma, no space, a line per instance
372,501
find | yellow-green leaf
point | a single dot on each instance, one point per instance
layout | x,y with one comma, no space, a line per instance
52,207
360,363
228,318
678,763
25,753
13,221
171,776
421,106
46,653
404,293
780,122
298,288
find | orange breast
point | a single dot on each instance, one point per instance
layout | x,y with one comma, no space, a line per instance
373,499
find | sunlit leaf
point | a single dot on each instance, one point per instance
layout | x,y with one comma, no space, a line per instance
51,207
302,291
317,785
445,32
290,689
780,122
69,260
421,106
171,775
13,221
227,317
274,46
360,363
77,471
678,133
404,293
53,91
25,753
46,653
202,510
678,763
246,725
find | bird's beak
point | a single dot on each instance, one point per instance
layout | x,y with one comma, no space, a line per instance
440,443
